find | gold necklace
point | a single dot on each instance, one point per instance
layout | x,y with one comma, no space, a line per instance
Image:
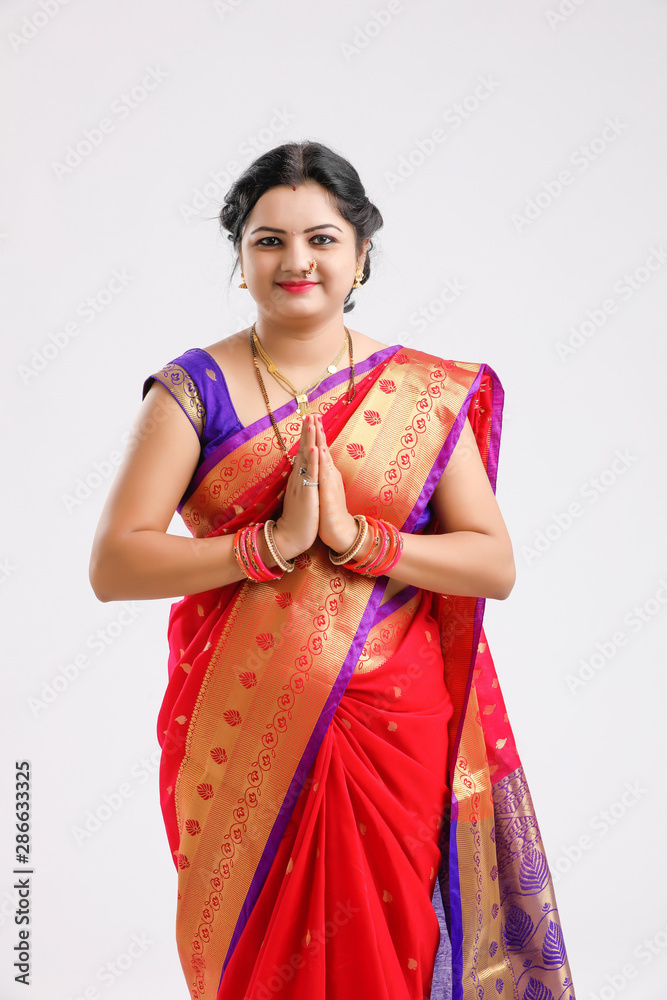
300,395
351,388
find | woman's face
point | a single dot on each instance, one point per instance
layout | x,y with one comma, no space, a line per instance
286,231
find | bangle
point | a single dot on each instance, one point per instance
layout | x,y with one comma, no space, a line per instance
394,553
370,556
287,565
362,530
247,556
240,552
262,570
384,554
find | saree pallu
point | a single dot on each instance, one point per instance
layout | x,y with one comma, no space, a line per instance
340,785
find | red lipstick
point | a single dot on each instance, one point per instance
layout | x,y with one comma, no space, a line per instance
295,287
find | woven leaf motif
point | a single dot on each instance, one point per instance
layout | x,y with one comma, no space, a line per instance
182,861
499,986
248,679
356,451
265,640
553,947
219,755
303,561
401,359
387,385
535,990
534,872
192,827
284,599
205,790
372,417
232,717
518,928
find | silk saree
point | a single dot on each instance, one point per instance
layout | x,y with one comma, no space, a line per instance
342,793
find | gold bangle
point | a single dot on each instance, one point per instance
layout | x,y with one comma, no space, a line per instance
285,564
362,531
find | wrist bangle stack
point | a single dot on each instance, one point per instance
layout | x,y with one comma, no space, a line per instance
384,553
287,565
362,531
247,555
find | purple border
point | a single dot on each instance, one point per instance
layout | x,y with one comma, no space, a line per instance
240,437
304,765
456,909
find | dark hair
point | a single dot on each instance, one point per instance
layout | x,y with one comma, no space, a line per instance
293,163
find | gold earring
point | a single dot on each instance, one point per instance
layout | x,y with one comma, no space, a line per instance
243,284
357,277
311,268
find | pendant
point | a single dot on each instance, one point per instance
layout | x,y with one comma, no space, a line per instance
302,408
332,369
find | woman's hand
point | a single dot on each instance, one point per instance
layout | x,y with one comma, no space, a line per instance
296,528
337,528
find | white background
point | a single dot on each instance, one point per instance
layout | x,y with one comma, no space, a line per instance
220,75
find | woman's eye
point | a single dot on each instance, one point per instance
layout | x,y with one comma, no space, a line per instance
319,236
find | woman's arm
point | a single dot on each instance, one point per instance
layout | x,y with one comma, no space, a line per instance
473,556
133,558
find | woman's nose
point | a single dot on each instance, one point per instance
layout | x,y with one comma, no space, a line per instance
296,257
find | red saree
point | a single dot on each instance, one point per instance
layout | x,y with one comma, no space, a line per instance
339,781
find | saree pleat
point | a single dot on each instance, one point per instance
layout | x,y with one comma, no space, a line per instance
341,789
346,908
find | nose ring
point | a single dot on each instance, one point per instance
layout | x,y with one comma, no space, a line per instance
311,268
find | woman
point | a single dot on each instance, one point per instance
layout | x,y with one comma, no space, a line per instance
339,782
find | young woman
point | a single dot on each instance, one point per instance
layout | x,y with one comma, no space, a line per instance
341,790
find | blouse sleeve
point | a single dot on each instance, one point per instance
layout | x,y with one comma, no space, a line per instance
175,377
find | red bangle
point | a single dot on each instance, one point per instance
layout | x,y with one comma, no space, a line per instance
393,554
247,555
259,566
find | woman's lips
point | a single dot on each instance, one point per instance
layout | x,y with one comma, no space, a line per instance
302,286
